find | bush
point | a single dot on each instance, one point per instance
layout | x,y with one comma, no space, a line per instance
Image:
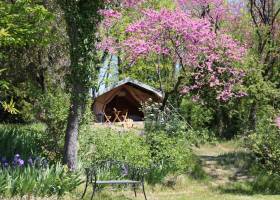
265,146
27,140
107,144
168,138
53,109
198,115
266,183
168,155
200,136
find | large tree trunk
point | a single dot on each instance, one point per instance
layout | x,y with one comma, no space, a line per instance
71,136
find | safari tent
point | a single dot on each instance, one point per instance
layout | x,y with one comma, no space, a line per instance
126,97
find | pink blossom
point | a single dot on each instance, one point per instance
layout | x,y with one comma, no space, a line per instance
277,121
185,90
109,44
110,17
125,3
195,98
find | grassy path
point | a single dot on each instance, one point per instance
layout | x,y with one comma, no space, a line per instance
224,163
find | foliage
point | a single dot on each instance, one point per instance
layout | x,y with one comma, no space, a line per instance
38,182
28,140
18,28
168,119
25,54
199,116
168,155
107,144
264,145
167,135
24,139
52,109
9,107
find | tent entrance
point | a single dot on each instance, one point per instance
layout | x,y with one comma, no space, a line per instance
124,102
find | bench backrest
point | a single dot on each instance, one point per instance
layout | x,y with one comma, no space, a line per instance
115,170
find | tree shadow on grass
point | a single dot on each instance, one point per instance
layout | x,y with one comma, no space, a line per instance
230,167
262,185
248,178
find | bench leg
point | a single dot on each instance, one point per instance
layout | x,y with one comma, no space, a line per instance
93,190
85,190
143,188
134,189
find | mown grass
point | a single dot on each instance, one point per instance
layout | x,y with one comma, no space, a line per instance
185,189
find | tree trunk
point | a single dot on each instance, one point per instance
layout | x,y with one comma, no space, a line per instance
220,119
253,116
71,136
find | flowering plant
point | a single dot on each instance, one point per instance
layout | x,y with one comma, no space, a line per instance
19,162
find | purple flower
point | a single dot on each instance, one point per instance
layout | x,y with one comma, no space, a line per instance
20,162
30,161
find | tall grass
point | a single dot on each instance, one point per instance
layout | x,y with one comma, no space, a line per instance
25,140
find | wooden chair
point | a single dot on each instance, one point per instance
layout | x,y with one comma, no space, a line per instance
124,117
117,115
107,118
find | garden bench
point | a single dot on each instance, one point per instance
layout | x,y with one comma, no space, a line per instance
126,174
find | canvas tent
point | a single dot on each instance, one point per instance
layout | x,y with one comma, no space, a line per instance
125,96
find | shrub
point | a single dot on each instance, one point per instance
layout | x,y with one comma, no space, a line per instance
53,110
200,136
198,115
168,155
265,146
107,144
167,137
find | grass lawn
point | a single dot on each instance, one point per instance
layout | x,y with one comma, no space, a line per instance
185,189
226,178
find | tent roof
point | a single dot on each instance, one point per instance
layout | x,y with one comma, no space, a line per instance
132,82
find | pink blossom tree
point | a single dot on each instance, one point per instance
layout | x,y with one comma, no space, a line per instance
207,58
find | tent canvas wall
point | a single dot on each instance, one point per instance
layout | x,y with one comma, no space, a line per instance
126,96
